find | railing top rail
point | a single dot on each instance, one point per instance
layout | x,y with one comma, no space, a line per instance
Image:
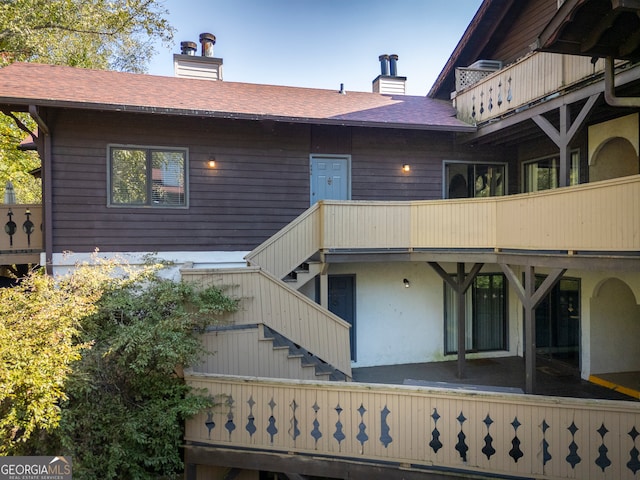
573,188
484,396
20,205
206,271
504,198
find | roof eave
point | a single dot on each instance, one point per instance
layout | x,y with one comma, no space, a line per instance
17,103
619,15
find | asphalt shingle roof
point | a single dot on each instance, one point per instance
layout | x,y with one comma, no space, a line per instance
52,85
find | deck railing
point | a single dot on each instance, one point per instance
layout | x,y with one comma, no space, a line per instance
21,239
600,216
421,429
520,84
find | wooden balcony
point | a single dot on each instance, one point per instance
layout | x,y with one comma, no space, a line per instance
326,428
520,84
601,218
21,240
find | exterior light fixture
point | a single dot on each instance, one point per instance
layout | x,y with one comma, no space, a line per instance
212,163
406,167
406,282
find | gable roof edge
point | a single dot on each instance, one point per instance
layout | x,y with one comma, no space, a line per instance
472,32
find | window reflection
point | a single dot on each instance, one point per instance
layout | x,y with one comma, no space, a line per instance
468,180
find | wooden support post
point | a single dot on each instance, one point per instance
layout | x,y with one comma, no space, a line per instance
529,331
563,137
565,120
462,324
531,298
460,284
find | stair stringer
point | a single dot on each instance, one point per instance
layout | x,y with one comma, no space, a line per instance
243,350
307,359
268,301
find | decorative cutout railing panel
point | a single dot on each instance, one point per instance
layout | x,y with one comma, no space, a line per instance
21,238
520,84
422,429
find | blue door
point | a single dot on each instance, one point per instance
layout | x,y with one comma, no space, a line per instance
342,302
330,178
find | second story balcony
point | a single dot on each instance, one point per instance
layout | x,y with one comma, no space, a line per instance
482,95
592,220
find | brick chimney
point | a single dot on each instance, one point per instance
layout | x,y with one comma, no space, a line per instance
388,82
187,64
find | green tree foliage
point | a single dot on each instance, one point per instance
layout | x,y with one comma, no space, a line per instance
102,34
127,403
120,407
105,34
16,165
39,321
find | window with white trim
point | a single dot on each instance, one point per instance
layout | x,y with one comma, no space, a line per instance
147,176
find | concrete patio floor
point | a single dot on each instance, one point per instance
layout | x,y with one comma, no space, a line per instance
499,374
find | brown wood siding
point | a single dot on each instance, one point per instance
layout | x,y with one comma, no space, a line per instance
380,154
520,32
260,183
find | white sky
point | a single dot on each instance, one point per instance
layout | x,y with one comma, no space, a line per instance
321,43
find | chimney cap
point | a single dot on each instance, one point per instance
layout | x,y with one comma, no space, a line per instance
188,48
208,36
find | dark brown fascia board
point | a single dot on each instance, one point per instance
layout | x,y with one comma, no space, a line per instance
230,115
465,40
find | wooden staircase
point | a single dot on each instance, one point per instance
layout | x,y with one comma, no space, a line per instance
302,274
277,332
323,370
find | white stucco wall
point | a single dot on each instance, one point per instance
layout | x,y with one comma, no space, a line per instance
610,339
394,324
398,325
